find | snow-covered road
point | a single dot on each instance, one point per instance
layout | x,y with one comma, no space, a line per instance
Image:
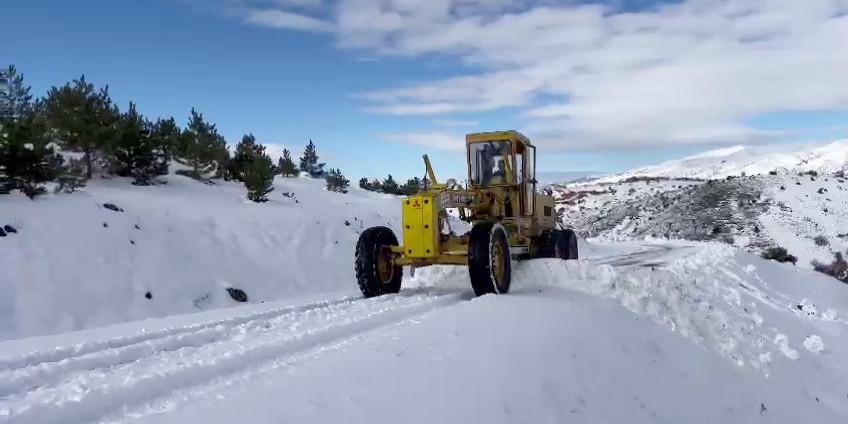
747,345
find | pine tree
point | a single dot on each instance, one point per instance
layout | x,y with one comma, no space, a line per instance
259,178
168,136
222,157
287,167
390,186
27,156
411,187
200,146
136,151
309,162
15,101
246,151
336,181
83,118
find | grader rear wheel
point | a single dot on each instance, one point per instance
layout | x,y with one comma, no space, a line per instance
560,244
568,250
489,259
376,272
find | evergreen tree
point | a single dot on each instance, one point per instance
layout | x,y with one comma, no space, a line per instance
222,157
167,135
14,102
376,185
390,186
411,187
287,167
336,181
82,117
27,156
364,183
309,162
136,151
246,152
259,178
200,146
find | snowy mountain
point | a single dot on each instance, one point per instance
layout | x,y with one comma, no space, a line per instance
120,306
746,160
551,177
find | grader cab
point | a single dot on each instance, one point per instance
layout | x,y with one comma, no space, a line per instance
509,221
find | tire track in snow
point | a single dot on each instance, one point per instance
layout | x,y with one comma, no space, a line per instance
91,394
119,351
65,353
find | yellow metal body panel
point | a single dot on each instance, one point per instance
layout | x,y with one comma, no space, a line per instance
421,226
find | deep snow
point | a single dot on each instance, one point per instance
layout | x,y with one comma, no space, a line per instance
638,332
74,264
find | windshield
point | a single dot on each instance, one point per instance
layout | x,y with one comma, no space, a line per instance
487,162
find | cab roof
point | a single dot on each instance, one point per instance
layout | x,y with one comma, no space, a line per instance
510,135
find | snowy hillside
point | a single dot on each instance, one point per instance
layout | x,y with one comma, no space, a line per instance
746,160
76,264
803,213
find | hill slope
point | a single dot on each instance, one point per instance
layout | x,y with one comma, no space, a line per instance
74,264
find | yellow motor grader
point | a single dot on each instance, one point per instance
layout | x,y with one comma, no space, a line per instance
509,221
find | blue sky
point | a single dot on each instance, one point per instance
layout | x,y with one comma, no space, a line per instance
369,84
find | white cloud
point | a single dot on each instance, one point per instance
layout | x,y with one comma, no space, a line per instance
689,72
435,140
286,20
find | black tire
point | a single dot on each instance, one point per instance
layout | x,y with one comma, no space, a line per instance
372,253
568,250
547,243
489,260
560,244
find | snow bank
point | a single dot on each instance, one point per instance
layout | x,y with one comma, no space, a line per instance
774,319
76,264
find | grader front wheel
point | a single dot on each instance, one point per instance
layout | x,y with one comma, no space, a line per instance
376,272
489,260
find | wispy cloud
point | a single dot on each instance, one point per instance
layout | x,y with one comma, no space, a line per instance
693,71
286,20
437,140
